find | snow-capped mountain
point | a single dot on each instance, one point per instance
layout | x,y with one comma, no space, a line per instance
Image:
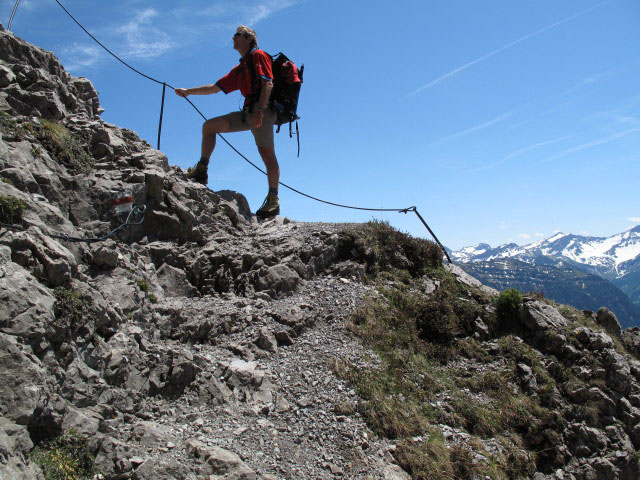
611,257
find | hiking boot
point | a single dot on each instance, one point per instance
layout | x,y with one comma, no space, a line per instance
198,173
270,207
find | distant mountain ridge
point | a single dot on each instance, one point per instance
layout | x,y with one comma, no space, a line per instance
609,257
615,258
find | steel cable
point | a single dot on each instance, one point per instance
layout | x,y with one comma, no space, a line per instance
137,210
13,13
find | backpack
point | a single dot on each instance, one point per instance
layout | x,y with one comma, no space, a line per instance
287,80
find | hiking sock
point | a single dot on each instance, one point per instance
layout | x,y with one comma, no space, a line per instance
204,161
273,191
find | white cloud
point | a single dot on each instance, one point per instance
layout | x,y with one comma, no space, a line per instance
524,236
27,5
78,56
634,219
503,225
217,21
266,9
233,13
538,234
484,57
143,39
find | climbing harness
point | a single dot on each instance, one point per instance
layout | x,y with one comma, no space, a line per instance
164,84
135,217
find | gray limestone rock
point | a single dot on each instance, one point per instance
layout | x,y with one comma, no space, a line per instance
527,378
394,472
85,421
631,339
278,279
24,394
6,76
152,435
174,282
539,317
102,256
468,280
594,340
154,468
267,340
15,445
26,306
220,462
609,321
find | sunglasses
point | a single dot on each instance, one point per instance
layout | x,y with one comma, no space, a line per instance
237,34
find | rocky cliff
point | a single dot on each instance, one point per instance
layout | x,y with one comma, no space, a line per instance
200,343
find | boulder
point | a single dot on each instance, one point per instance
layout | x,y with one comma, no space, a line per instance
539,317
6,76
631,339
24,394
267,340
15,445
174,282
609,321
221,462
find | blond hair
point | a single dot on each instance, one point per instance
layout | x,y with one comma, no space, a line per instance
248,33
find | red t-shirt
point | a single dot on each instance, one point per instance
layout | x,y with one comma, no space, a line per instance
239,78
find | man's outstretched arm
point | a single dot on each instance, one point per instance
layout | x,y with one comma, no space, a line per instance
203,90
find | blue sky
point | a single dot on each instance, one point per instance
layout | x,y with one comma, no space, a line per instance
500,120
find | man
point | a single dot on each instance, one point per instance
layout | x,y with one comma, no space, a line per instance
255,82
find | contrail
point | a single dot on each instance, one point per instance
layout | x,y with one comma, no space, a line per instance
472,129
593,143
484,57
518,153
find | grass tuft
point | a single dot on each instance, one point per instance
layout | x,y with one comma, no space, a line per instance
71,310
65,147
66,458
11,209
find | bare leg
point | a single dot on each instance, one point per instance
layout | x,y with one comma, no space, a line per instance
210,129
268,155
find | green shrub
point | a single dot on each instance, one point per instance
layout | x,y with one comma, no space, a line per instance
387,249
143,285
71,309
36,150
437,321
508,306
11,209
66,458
